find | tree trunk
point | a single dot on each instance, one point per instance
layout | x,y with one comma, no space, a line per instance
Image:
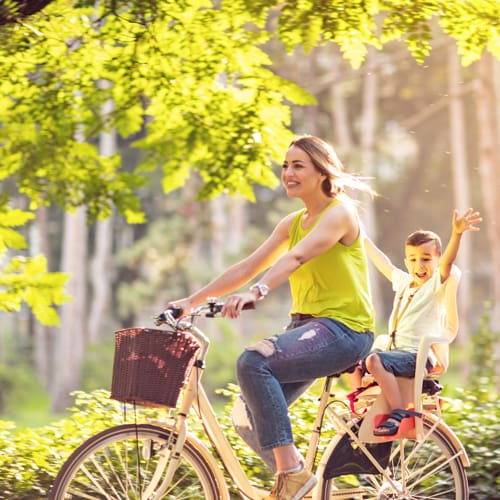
367,139
227,230
42,335
218,227
101,271
460,184
339,113
489,171
236,230
311,112
101,276
70,339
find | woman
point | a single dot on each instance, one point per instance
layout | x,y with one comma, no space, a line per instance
320,251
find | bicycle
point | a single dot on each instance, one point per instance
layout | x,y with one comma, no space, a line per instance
153,461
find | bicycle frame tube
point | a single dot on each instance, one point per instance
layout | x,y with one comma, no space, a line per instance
223,447
318,423
195,396
342,427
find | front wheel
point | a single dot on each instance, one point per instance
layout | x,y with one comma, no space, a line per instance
428,469
129,462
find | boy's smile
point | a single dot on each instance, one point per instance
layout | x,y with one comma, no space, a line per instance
421,261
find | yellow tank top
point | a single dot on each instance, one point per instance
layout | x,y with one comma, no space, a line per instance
334,284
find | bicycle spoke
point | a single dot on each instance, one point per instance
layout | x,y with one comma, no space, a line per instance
428,469
130,463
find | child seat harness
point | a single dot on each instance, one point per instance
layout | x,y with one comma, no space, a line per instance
397,317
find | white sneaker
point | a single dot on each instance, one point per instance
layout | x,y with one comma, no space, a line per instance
292,485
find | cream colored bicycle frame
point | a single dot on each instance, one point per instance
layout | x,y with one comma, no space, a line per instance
195,398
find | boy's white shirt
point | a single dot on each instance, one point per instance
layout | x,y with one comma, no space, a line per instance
432,310
423,315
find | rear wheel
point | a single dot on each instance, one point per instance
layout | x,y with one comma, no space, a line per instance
428,469
128,462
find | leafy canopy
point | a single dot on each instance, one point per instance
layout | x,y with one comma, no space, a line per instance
190,80
186,82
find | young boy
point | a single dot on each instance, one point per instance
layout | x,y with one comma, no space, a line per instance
417,310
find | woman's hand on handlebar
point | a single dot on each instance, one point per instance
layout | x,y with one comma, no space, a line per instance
234,304
184,304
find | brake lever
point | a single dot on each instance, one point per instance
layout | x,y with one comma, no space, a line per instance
175,312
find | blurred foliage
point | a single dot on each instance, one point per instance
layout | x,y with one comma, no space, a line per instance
483,360
198,95
475,418
39,453
98,365
30,458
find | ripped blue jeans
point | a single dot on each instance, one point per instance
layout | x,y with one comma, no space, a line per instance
274,372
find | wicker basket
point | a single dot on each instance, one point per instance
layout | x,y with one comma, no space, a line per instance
151,366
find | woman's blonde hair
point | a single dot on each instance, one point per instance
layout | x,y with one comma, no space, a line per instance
326,161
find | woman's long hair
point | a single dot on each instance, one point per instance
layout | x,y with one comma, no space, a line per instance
326,161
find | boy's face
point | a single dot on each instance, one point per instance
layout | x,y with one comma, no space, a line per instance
421,261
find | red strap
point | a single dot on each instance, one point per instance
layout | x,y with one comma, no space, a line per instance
353,396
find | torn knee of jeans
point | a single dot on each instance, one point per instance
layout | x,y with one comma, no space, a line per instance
239,415
266,347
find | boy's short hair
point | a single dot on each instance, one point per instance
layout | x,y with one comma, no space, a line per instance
420,237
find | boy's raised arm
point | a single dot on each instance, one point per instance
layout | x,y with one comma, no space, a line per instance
459,224
379,258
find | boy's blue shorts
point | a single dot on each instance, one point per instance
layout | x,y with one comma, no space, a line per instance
400,363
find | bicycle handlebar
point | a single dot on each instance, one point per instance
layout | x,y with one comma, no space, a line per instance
210,309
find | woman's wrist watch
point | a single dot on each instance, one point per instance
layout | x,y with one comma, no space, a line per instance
262,290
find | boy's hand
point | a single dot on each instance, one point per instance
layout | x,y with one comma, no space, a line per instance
466,222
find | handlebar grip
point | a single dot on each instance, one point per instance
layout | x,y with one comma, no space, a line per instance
176,312
216,308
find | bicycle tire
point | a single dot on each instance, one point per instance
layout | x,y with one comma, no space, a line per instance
431,469
106,467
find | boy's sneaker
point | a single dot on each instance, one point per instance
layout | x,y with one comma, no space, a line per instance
292,485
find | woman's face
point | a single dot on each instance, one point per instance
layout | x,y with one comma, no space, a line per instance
299,176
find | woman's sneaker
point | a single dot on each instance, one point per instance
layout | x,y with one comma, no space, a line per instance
292,485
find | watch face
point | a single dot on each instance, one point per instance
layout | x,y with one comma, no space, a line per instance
262,289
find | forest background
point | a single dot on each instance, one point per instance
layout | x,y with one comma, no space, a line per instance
141,149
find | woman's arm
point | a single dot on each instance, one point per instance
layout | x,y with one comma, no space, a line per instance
246,269
337,224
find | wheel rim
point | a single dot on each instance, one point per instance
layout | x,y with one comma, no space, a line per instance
430,469
130,465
